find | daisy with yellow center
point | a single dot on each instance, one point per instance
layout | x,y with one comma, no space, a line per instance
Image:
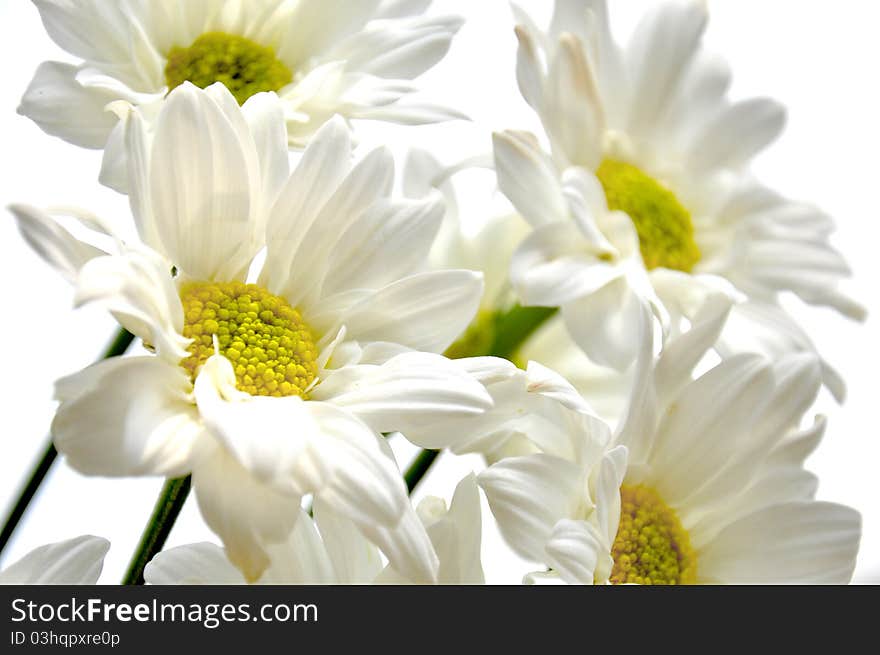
646,179
322,57
703,481
266,384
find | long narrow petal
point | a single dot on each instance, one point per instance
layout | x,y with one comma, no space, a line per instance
427,311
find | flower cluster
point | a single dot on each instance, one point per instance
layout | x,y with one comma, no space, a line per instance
614,346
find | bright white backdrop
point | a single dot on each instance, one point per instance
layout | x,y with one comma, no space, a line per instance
818,59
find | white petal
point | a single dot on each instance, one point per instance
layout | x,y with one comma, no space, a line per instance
661,49
58,247
555,265
301,559
264,114
406,392
89,29
201,187
195,564
324,164
355,560
794,543
138,290
529,73
401,50
606,492
425,312
317,24
529,495
63,107
574,111
127,416
575,550
245,513
708,426
528,178
737,134
390,241
605,324
457,536
370,179
73,562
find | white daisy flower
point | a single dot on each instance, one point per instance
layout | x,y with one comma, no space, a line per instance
330,550
272,384
73,562
703,482
648,173
322,57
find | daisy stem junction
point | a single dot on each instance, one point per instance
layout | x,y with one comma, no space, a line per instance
171,500
41,469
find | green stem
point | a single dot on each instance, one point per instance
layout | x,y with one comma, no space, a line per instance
419,467
511,330
38,474
171,500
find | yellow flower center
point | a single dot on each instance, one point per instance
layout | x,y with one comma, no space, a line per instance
244,67
651,546
271,348
664,226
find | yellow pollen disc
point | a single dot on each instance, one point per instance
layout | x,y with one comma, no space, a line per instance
244,67
651,546
664,226
271,348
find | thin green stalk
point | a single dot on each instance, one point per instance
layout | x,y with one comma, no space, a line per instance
171,500
419,467
29,490
511,330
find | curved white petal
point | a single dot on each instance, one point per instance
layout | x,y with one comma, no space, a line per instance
555,265
528,178
426,311
201,187
529,495
245,513
456,535
405,392
605,324
194,564
63,107
390,240
73,562
660,51
355,560
793,543
137,288
737,133
576,550
58,247
127,416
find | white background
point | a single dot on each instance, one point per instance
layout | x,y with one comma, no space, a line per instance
817,58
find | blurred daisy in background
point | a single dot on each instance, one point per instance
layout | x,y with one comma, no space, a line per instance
322,57
647,176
